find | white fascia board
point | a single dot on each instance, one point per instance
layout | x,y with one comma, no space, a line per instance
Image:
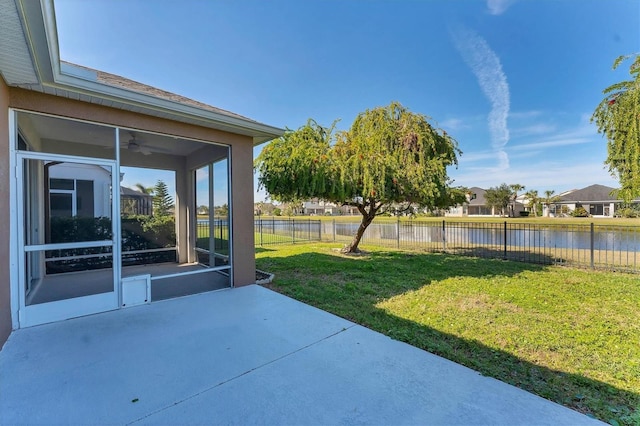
260,132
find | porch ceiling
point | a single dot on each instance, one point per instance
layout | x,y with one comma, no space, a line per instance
56,130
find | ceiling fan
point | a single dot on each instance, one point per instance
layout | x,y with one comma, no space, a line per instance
135,145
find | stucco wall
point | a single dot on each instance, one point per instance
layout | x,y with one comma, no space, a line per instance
5,286
242,202
241,160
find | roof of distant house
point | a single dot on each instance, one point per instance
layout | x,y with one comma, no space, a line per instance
591,193
132,192
479,200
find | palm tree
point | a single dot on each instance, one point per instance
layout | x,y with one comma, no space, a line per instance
549,199
533,200
515,187
144,189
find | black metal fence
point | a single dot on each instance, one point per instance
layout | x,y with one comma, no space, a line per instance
286,231
585,244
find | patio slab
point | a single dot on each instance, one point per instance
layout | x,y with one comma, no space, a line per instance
240,356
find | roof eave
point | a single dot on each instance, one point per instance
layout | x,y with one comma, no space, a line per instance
150,104
41,35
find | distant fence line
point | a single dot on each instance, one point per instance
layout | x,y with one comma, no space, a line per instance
585,245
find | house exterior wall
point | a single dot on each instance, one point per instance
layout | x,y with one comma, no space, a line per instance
244,261
241,160
101,180
5,284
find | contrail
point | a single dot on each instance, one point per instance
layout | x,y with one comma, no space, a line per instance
487,68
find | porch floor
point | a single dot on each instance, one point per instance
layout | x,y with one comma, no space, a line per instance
78,284
244,356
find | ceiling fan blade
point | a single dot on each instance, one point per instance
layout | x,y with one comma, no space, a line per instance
144,150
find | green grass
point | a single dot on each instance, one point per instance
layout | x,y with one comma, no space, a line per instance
571,336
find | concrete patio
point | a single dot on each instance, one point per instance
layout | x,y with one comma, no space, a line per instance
244,356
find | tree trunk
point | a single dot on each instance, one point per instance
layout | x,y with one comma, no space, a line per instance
352,247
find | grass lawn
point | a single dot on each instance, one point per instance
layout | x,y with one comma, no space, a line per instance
571,336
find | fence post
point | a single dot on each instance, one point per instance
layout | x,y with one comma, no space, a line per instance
334,230
293,231
398,231
444,236
260,226
592,246
505,240
320,230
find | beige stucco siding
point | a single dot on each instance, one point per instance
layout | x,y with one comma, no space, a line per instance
242,199
241,159
5,285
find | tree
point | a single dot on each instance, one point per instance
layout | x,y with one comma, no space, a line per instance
549,199
515,187
618,119
259,207
390,158
162,201
222,210
291,208
144,189
499,197
533,200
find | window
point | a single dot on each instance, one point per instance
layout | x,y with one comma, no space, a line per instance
596,209
71,197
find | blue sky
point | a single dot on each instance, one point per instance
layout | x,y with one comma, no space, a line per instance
514,81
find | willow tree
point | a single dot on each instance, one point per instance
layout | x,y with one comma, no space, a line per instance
618,119
389,160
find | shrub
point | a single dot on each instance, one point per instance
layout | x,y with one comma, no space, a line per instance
580,212
139,232
143,232
74,229
628,212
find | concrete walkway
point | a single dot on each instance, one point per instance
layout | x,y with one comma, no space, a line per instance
244,356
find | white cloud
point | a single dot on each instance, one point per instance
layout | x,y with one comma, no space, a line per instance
539,175
503,161
453,124
583,133
550,143
477,156
534,129
525,114
202,174
498,7
486,66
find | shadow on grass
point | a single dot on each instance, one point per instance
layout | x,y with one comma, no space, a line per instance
528,256
351,287
263,249
588,396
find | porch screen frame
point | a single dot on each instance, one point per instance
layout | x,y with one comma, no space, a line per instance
67,308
